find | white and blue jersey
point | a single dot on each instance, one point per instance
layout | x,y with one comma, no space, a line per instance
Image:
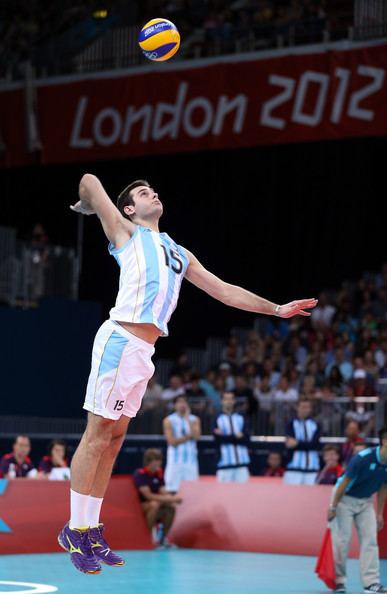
366,472
305,456
233,452
152,269
187,452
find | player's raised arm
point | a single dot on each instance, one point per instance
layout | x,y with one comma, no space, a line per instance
240,298
94,200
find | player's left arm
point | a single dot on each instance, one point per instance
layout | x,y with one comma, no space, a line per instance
239,297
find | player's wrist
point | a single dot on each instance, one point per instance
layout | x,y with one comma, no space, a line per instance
276,311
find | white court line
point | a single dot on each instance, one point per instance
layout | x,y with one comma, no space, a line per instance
36,588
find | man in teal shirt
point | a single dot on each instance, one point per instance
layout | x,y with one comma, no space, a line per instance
365,475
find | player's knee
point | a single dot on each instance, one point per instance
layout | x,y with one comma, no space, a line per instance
98,443
154,505
116,440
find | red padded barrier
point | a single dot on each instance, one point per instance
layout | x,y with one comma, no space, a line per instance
35,511
263,515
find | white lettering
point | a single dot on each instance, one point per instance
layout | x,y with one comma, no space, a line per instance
132,117
343,75
76,141
315,118
378,78
203,128
115,117
266,114
171,128
239,103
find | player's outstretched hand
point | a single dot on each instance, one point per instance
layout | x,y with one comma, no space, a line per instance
82,208
297,308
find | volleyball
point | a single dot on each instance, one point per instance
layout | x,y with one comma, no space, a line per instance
159,40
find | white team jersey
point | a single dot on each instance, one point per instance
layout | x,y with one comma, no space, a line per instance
232,455
152,269
184,453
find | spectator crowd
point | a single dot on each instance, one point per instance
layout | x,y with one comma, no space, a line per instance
337,359
31,30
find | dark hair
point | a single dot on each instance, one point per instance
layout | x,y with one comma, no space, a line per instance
176,398
55,442
125,199
382,434
331,447
227,392
152,454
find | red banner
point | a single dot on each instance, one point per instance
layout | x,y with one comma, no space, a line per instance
320,93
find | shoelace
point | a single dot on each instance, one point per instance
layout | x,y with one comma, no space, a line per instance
86,544
101,539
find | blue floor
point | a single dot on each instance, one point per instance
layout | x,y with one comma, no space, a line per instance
172,572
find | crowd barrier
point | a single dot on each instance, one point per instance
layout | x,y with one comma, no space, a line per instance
263,516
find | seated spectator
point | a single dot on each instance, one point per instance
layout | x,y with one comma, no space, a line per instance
210,386
309,387
152,397
284,393
231,438
341,361
302,443
332,469
268,369
245,403
232,353
225,372
158,505
182,430
55,465
176,387
18,464
182,366
330,412
352,432
359,386
381,354
265,396
196,395
274,465
370,366
335,381
324,312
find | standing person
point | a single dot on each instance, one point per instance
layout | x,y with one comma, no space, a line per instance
352,433
158,505
18,464
365,475
302,442
181,430
231,438
152,267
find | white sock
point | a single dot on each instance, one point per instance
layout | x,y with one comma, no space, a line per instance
79,506
93,510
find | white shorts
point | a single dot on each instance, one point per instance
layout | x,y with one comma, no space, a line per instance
294,477
121,367
176,472
233,475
